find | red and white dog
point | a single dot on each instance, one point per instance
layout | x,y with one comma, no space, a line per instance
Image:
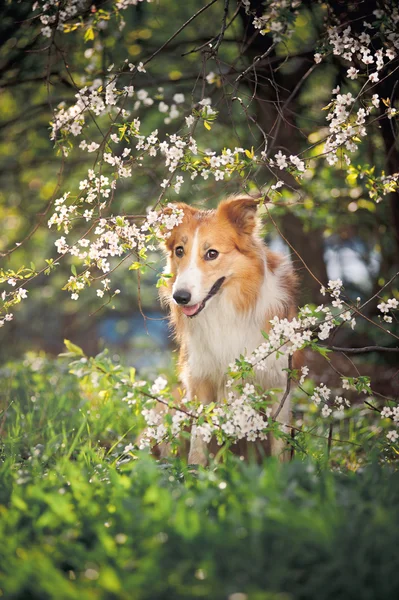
225,288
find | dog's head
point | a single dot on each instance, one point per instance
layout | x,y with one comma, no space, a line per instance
212,251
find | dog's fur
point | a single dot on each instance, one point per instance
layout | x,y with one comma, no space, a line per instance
257,284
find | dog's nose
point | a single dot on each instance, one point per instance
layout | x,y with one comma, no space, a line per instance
182,297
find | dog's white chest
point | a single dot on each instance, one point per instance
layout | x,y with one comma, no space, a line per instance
217,337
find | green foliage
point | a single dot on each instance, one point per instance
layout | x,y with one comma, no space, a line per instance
83,520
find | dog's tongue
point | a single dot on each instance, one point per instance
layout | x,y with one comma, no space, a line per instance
190,310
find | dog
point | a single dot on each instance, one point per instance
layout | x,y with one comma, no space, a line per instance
226,286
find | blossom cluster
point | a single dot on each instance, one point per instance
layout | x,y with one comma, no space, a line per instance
56,16
344,127
114,237
347,124
386,307
391,413
241,416
286,336
15,293
280,161
278,18
322,395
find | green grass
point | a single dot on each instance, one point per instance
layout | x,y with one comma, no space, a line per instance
81,520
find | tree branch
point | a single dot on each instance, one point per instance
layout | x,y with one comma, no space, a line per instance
363,350
287,389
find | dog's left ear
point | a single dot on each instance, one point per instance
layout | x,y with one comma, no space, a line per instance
241,212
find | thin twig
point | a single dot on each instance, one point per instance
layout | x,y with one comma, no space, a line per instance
330,439
223,29
287,389
255,62
179,31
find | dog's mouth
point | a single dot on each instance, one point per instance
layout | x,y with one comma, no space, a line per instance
195,309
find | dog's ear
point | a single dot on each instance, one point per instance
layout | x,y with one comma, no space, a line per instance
240,211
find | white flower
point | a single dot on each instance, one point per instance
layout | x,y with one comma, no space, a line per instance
392,435
163,108
74,296
141,68
159,384
75,128
391,304
326,411
375,100
174,113
297,162
277,185
318,57
386,412
304,371
374,77
178,98
92,147
352,73
211,77
46,31
129,90
22,293
281,160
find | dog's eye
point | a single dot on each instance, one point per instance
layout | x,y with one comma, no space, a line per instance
211,255
179,251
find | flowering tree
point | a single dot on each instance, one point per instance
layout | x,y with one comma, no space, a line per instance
292,100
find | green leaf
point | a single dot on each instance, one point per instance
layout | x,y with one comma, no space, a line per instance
135,266
73,348
89,34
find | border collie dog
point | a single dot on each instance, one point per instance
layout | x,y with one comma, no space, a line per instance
226,286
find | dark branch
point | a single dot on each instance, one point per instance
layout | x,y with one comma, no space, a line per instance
363,350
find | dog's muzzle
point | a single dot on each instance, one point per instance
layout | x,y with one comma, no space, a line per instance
195,309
